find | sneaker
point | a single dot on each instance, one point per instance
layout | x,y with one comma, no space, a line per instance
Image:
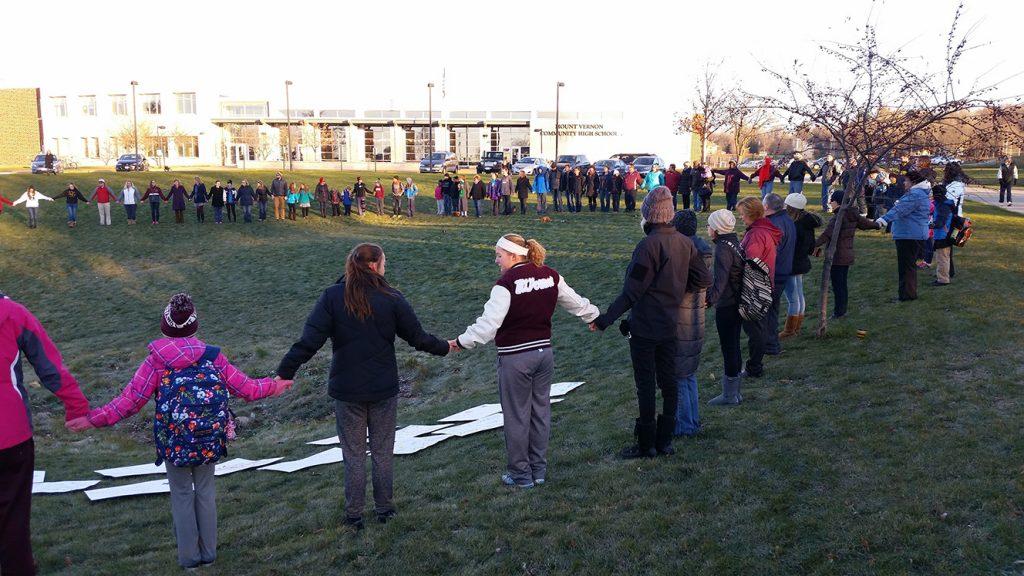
354,522
538,481
385,517
508,480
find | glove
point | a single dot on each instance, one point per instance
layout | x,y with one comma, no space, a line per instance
624,328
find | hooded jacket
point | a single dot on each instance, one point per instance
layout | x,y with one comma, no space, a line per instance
363,364
852,222
797,170
665,265
786,248
725,290
761,241
910,215
804,244
174,354
21,335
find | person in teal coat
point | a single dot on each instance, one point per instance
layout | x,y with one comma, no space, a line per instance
654,178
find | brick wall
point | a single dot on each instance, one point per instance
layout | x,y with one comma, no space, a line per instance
19,126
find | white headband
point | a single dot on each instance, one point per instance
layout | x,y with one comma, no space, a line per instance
511,247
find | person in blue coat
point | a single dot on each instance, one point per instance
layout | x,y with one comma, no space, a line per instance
909,219
540,187
785,250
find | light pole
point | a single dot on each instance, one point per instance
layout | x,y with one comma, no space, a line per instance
288,117
161,149
337,144
558,97
430,123
540,135
135,123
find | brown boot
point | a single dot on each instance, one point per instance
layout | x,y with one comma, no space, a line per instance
790,329
798,325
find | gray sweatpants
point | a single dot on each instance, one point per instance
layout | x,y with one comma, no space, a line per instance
524,384
354,420
194,509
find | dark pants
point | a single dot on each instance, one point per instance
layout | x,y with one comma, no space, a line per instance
348,209
731,198
154,211
247,213
130,211
522,205
179,216
906,264
448,205
218,214
335,209
654,365
771,319
1007,189
323,209
232,215
201,213
592,203
755,346
838,276
577,204
615,201
686,199
291,211
728,322
506,202
396,205
354,420
630,200
556,200
263,210
16,465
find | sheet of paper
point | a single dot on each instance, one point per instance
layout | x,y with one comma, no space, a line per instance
326,441
413,444
474,413
38,475
556,400
414,430
488,423
562,388
330,456
152,487
61,487
239,464
139,470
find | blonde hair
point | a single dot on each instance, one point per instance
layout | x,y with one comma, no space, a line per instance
751,207
536,253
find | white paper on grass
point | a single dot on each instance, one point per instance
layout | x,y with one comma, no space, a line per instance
139,489
326,441
38,475
555,400
409,431
413,444
488,423
474,413
239,464
562,388
61,487
139,470
330,456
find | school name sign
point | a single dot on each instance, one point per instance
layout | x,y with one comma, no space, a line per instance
581,130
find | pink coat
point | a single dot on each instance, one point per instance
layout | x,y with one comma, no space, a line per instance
174,353
21,335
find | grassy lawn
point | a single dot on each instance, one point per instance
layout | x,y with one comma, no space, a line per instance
897,454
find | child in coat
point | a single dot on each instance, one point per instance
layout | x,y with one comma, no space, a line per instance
192,382
292,200
346,200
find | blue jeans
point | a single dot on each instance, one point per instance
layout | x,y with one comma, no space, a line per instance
767,188
72,212
129,210
794,292
476,207
247,212
687,413
796,187
696,200
263,210
826,191
448,208
154,211
218,214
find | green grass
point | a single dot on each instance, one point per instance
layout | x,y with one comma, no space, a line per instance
897,454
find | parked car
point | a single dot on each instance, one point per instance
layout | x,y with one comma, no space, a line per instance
747,164
440,162
643,164
529,164
132,163
39,165
613,164
630,157
572,161
943,160
490,161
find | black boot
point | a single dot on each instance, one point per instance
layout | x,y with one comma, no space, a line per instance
644,447
663,436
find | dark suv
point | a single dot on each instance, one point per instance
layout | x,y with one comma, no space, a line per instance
490,161
572,161
131,163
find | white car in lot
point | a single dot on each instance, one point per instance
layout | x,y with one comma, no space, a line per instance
529,164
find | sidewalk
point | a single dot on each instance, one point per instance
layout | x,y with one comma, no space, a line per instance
991,196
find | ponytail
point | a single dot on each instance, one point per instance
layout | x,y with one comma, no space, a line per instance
360,280
536,253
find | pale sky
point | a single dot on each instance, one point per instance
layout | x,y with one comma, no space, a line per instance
621,56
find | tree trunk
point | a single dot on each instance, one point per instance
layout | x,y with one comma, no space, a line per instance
854,188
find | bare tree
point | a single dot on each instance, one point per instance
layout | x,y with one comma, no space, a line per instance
709,112
745,120
880,103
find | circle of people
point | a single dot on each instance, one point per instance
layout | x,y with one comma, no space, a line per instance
673,275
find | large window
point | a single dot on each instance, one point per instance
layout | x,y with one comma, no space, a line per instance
88,104
467,143
417,143
185,102
90,147
377,142
247,109
119,104
154,143
60,106
333,141
150,104
187,146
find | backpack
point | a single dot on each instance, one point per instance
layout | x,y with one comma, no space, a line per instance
192,418
755,287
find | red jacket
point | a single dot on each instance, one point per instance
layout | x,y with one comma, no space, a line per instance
631,181
4,201
102,194
760,241
22,335
672,180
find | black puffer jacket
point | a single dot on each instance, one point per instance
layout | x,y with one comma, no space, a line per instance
725,291
805,226
363,366
665,265
690,325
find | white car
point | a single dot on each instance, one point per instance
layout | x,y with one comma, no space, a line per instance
529,164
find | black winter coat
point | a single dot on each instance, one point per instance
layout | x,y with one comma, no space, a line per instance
725,291
797,169
686,180
478,191
363,365
665,265
805,226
